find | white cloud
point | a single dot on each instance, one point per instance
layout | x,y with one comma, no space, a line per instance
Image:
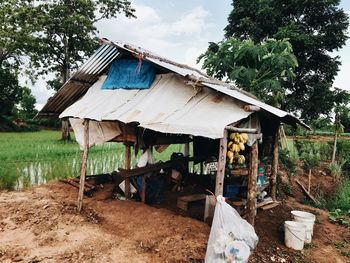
182,39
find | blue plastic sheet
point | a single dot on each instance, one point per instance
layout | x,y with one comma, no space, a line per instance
129,74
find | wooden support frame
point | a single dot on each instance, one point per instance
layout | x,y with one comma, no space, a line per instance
274,166
83,164
252,178
220,175
127,166
241,130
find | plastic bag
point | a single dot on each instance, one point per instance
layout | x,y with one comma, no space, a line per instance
228,230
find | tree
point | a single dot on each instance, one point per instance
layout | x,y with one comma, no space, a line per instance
256,68
10,90
315,28
338,129
16,27
66,35
26,107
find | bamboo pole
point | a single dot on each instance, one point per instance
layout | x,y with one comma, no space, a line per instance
274,167
309,182
252,177
127,166
83,165
219,184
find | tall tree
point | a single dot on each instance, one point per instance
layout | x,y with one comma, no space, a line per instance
16,27
66,35
257,68
315,28
10,90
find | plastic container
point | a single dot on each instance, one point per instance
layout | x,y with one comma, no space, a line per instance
308,220
294,234
231,190
237,251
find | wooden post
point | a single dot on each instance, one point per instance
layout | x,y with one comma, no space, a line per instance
274,167
143,190
309,183
83,165
220,175
127,166
252,177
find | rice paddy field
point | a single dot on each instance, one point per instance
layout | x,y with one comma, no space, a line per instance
33,158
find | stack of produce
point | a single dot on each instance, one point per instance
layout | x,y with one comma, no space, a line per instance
235,145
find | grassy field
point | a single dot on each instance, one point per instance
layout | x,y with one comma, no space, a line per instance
31,158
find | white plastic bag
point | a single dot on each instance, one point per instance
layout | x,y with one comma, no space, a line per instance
228,230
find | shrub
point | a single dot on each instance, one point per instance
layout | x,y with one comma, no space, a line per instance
287,162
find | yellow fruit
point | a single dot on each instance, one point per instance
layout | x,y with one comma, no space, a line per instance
229,144
232,136
241,146
241,159
245,137
229,154
235,148
231,160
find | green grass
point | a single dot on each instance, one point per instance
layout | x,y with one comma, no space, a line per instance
342,198
32,158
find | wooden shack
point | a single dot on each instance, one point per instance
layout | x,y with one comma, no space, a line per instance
182,105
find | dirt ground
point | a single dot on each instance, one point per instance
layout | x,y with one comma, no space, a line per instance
41,225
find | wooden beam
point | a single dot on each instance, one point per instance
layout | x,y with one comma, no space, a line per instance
274,167
241,130
83,165
220,175
127,167
252,177
251,108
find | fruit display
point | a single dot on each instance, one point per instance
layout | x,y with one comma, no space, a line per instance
235,145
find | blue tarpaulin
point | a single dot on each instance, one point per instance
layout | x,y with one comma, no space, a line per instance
129,74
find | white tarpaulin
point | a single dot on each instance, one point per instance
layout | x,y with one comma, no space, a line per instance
169,106
99,132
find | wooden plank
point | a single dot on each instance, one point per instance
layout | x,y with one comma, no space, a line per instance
241,130
274,167
219,184
83,165
147,169
210,202
240,171
307,193
252,177
270,206
127,166
183,201
192,198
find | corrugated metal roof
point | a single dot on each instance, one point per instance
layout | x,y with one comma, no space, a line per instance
108,51
81,81
169,106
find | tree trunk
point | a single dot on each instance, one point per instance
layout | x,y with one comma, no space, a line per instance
274,167
65,76
220,174
65,130
83,165
252,178
334,147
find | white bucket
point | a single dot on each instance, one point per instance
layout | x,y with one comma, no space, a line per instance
308,220
294,234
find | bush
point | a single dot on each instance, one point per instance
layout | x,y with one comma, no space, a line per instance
342,198
287,162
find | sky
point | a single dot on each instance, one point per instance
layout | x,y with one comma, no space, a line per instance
180,30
